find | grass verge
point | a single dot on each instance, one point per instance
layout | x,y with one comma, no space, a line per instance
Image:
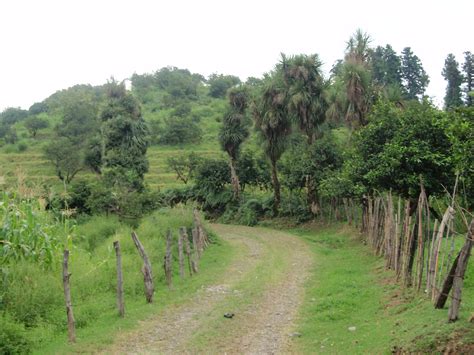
353,305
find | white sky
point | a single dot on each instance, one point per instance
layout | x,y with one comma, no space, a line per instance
47,45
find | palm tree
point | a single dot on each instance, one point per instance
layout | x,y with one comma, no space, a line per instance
306,86
357,78
234,130
270,112
306,103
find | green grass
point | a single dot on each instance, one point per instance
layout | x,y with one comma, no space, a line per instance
350,287
31,296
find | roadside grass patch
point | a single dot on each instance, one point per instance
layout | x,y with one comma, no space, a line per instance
353,304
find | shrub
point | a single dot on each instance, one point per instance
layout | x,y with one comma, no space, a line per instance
13,337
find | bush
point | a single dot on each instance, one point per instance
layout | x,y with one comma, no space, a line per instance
97,229
180,130
13,337
22,147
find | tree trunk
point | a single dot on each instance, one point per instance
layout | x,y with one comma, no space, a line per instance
234,178
312,197
276,188
67,296
120,303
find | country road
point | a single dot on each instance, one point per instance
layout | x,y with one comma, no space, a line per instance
262,287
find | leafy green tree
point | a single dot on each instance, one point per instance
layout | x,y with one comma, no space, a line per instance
400,146
318,161
178,83
124,140
454,78
65,157
414,78
234,131
468,70
8,133
219,84
12,115
34,123
37,108
179,130
272,121
184,166
252,169
460,130
80,118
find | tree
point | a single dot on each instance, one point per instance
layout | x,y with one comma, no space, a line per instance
34,123
357,79
219,84
306,89
270,112
180,127
65,157
306,102
184,166
454,78
37,108
124,140
414,78
468,69
12,115
234,131
400,146
386,68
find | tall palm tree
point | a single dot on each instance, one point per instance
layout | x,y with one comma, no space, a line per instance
305,82
306,103
233,132
357,78
270,112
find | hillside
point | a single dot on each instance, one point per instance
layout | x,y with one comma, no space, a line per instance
25,158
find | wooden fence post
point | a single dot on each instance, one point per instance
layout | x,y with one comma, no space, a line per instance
184,236
168,259
196,255
180,254
120,302
67,296
463,256
146,269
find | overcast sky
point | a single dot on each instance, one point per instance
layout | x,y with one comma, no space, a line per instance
49,45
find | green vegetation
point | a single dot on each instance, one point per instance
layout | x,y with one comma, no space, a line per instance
32,302
78,169
352,302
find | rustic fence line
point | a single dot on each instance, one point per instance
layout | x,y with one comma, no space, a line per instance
417,245
191,251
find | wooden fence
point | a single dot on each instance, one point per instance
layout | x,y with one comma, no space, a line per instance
186,250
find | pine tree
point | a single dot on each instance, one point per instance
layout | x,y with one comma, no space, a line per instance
468,68
414,78
454,78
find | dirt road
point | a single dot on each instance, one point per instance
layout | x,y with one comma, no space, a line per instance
262,287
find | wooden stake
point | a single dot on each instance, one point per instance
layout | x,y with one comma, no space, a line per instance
180,255
146,269
120,303
195,258
184,236
67,296
464,255
168,259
